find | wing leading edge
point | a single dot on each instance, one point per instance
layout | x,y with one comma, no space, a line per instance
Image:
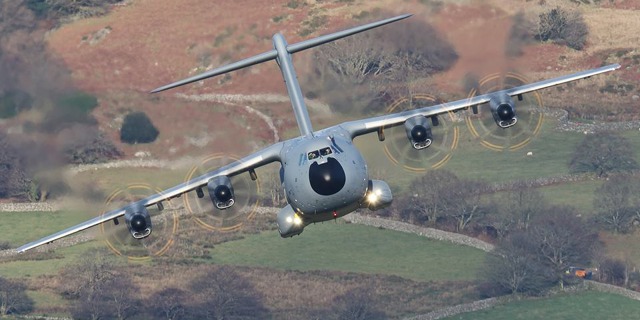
364,126
258,159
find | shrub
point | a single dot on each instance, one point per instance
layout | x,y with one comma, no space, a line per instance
137,128
87,145
563,28
11,103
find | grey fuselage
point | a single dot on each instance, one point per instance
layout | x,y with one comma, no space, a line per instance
324,176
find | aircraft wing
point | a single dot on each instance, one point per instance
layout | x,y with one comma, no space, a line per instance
364,126
258,159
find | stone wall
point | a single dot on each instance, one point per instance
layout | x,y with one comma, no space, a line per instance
455,310
421,231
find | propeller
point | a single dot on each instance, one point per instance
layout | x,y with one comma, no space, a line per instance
117,236
200,206
528,109
444,131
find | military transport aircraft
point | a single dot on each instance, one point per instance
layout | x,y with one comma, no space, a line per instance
323,174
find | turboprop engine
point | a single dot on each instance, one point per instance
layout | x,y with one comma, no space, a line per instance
503,110
221,192
289,222
418,132
138,221
378,195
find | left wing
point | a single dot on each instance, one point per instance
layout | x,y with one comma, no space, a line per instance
364,126
258,159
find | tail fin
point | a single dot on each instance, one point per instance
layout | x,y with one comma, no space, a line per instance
270,55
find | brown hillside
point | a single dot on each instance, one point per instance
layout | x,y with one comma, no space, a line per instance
148,43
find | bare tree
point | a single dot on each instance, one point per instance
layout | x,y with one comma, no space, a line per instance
356,304
514,267
430,195
562,239
374,64
467,204
602,154
564,28
13,298
168,303
224,294
616,203
14,181
123,295
526,202
98,290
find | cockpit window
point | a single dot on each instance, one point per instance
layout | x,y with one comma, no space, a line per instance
322,152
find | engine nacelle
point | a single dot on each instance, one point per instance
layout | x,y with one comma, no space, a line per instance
418,132
221,192
503,110
378,195
289,222
138,221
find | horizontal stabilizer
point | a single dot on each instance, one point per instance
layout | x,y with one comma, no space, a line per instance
293,48
270,55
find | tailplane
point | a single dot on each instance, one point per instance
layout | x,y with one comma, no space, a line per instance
270,55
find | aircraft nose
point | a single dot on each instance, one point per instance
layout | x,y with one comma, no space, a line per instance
327,178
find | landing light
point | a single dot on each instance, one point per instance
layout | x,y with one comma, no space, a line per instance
373,196
295,219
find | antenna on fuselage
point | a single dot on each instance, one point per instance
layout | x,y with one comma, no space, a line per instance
282,53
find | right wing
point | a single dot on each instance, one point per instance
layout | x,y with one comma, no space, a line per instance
364,126
258,159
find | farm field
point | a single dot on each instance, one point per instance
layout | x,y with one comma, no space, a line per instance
584,305
354,248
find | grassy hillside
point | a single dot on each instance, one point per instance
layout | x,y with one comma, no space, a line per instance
354,248
585,305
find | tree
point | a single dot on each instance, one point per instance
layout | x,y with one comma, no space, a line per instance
168,303
467,204
137,128
98,290
515,268
616,203
374,64
224,294
86,145
14,181
562,240
356,304
563,28
614,271
13,298
602,154
430,195
526,202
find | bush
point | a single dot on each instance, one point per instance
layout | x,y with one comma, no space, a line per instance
563,28
11,103
77,103
13,298
86,145
69,108
602,154
137,128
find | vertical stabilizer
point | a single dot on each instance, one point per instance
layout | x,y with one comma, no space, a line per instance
282,53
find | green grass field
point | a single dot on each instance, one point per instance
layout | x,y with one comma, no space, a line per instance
577,194
18,228
354,248
34,268
585,306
